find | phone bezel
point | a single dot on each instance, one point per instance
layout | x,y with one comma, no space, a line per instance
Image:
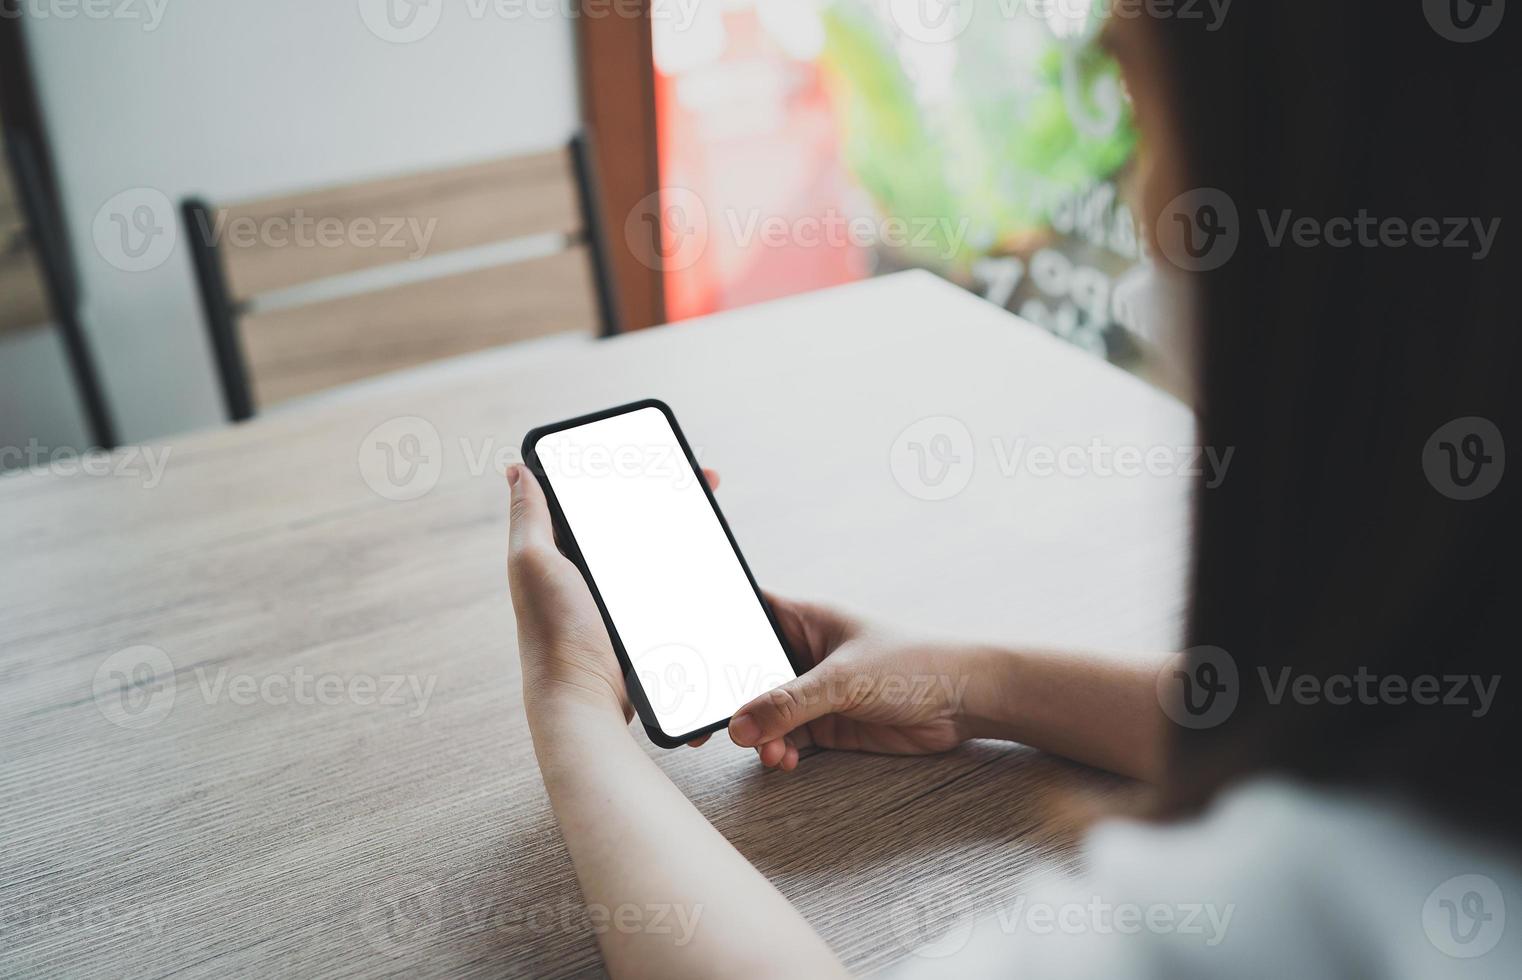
565,539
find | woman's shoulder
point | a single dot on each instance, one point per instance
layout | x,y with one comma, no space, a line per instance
1275,878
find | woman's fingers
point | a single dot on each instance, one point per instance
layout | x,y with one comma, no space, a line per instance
771,752
712,476
779,753
783,709
531,528
794,627
535,568
813,631
699,740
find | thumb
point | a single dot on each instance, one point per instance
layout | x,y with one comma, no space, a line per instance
796,703
531,534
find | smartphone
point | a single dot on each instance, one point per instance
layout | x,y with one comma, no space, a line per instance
694,636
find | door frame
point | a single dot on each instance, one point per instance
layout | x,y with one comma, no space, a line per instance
617,75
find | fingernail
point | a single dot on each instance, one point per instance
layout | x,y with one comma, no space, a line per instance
513,475
744,730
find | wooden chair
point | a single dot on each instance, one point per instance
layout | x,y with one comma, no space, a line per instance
26,300
37,276
308,291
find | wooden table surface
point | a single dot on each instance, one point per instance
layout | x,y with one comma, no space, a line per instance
257,716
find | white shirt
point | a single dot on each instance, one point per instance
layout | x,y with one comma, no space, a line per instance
1276,880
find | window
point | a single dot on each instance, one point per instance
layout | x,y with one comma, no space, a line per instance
805,143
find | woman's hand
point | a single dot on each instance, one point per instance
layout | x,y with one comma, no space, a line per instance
867,689
659,853
872,690
562,641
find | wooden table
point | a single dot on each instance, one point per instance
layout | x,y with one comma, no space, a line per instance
214,814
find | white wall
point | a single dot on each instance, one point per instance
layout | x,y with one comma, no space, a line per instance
39,410
238,98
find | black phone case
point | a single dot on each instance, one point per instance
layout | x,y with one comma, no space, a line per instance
565,539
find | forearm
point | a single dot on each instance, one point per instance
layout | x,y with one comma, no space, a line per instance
1098,710
642,851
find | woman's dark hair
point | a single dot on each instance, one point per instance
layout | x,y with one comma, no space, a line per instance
1343,377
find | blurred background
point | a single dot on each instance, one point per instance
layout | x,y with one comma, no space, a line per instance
211,209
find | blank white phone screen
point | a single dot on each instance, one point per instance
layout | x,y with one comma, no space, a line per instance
695,632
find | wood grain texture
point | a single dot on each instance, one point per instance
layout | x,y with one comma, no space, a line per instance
419,214
275,838
304,349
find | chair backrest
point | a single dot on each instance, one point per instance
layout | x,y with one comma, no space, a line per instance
36,271
26,299
306,291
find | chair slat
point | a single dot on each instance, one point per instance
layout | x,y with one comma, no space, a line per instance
302,350
387,221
